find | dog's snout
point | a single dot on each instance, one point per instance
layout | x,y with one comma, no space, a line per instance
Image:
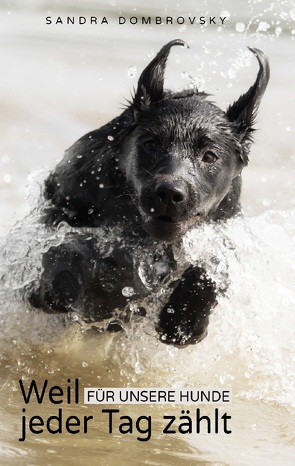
168,193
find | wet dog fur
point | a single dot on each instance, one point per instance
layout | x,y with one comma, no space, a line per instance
169,162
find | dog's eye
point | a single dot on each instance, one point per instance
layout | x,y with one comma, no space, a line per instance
209,157
149,144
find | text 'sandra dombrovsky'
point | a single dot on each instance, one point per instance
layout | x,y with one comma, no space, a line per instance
140,20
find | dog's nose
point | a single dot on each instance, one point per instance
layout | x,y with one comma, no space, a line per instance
169,193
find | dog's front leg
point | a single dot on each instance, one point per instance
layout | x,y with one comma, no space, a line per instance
185,317
76,277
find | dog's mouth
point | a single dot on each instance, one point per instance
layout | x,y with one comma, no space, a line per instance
166,228
176,222
165,218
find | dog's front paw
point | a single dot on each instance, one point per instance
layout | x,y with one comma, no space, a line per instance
185,317
181,332
58,296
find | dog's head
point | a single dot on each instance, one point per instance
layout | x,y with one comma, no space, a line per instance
184,154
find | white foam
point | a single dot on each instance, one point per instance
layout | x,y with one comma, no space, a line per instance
250,345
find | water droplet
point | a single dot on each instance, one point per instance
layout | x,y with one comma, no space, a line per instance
132,71
79,156
137,368
152,209
90,211
225,13
84,364
110,138
263,26
278,30
240,27
7,178
232,73
191,80
127,291
101,185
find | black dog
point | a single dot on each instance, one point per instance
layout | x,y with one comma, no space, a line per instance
169,162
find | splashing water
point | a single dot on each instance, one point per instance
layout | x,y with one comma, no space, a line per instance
132,71
250,345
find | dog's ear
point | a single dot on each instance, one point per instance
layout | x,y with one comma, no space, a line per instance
150,87
243,112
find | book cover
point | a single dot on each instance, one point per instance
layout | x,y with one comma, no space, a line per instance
72,394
